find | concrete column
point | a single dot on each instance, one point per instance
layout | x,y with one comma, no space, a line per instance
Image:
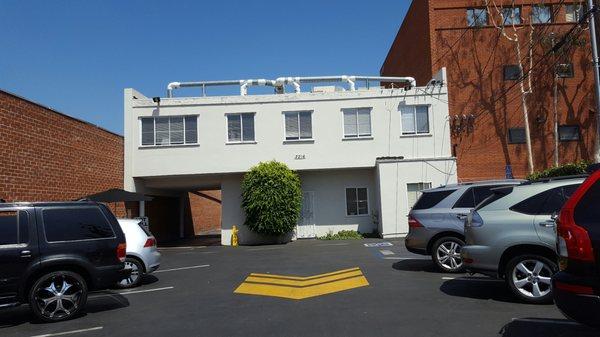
181,216
142,211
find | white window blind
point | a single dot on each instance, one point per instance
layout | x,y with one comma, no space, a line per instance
240,127
298,125
165,131
357,122
415,119
413,191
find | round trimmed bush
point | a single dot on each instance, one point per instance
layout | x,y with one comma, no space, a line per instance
271,198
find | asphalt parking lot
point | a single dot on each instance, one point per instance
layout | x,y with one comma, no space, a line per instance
193,295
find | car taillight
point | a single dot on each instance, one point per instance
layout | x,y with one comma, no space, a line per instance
573,241
413,223
150,242
122,252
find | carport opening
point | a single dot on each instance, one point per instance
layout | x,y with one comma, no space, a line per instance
202,214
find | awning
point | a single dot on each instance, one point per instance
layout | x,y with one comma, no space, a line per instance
117,195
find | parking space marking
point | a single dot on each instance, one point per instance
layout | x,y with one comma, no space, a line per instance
182,268
69,332
298,288
386,252
144,290
378,244
477,279
405,258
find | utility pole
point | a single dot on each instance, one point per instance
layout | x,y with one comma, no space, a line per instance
594,45
555,101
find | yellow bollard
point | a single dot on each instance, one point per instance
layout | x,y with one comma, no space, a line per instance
234,236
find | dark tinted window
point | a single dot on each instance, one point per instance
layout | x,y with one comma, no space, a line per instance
554,201
587,211
13,227
78,223
532,204
467,200
497,194
430,199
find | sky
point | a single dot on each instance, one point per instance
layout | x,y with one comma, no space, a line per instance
78,56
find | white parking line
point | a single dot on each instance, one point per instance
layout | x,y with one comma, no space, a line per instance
69,332
386,252
477,279
405,258
182,268
144,291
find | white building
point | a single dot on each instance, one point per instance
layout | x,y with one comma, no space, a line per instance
362,153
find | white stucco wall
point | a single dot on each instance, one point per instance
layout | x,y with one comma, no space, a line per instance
393,177
329,187
213,155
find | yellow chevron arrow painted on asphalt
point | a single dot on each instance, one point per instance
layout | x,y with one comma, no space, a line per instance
298,287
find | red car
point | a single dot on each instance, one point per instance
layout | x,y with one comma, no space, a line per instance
576,287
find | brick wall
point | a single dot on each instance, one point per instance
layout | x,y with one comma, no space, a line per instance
47,156
205,211
483,106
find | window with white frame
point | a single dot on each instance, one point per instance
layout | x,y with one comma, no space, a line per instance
573,12
415,119
240,127
169,130
357,122
298,125
512,16
357,201
413,192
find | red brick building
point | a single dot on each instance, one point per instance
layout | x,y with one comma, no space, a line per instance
486,111
48,156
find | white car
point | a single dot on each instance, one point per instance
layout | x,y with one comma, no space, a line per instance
142,256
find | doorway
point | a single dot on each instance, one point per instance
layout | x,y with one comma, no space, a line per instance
306,224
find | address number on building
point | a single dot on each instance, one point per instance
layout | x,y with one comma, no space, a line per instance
300,157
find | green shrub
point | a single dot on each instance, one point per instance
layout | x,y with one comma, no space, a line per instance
561,170
342,235
271,198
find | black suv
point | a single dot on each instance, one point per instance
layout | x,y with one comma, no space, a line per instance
53,253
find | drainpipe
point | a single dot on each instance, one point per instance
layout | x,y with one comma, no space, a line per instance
260,82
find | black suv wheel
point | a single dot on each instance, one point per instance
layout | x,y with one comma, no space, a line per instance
445,252
58,296
529,277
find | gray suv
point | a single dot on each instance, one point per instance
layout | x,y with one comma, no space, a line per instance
511,236
436,221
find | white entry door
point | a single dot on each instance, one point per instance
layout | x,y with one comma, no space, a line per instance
306,223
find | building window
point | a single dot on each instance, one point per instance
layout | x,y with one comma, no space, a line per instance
564,70
357,123
512,72
166,131
541,14
298,125
415,119
413,192
568,133
477,17
573,12
240,127
512,16
516,135
357,201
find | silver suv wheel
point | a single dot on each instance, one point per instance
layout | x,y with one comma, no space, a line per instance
446,254
532,278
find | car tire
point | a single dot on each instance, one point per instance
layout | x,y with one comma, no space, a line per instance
58,296
529,277
445,253
137,272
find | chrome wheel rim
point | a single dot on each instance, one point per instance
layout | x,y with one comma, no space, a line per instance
133,277
58,297
448,255
532,278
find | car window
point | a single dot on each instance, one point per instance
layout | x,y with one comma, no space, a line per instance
531,205
497,194
77,223
14,227
587,211
569,190
482,192
554,201
430,199
467,200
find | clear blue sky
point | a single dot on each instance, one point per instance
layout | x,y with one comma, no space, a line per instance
78,56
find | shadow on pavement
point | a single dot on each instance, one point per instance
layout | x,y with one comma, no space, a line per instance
416,265
481,288
526,327
200,240
97,302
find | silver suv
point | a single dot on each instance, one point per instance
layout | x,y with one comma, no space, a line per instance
511,235
436,221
